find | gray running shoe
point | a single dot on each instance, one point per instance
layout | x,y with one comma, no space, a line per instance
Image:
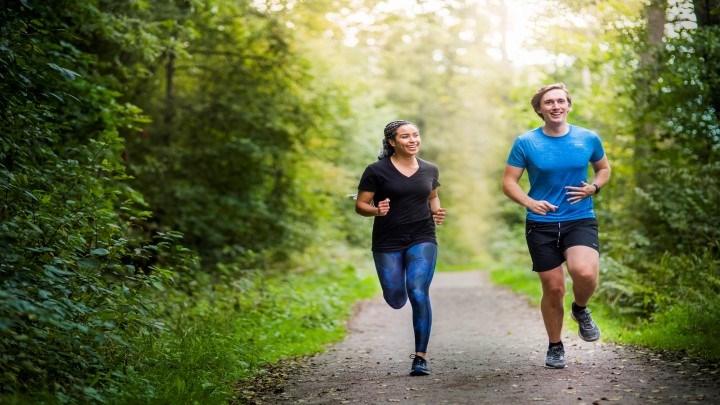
588,329
419,366
555,357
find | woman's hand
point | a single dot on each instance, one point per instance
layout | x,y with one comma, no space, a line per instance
439,216
383,207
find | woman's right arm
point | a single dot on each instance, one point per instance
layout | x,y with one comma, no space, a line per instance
365,207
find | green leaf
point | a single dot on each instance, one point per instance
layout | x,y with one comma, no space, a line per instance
100,252
66,73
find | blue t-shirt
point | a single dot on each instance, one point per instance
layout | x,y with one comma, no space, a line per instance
553,163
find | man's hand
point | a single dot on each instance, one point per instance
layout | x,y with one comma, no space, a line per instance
541,207
579,193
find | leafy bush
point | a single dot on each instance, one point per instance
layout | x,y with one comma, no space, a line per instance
71,271
225,329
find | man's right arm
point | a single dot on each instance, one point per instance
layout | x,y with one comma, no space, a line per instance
512,189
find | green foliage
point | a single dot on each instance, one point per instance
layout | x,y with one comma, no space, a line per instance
683,302
657,286
234,145
681,201
659,121
681,216
684,327
228,328
239,155
72,271
664,237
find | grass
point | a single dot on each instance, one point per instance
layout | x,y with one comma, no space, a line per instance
218,333
226,332
685,327
223,333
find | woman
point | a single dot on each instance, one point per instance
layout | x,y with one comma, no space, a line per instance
400,191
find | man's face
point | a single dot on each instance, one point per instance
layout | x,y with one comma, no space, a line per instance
554,107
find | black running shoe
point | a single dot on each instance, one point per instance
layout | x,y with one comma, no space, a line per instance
588,329
419,366
555,357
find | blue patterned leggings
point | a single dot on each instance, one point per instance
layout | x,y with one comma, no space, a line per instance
407,274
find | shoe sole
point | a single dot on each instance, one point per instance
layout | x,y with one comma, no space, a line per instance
419,373
556,368
581,336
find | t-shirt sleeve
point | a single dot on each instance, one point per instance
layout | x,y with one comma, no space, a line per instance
517,155
436,178
368,181
598,150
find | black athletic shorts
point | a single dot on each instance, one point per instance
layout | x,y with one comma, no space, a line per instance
547,241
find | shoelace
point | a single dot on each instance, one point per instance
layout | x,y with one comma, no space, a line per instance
417,359
556,353
585,319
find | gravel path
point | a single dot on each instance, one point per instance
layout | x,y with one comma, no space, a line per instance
487,346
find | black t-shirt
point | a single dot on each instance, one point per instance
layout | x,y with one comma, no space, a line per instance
409,220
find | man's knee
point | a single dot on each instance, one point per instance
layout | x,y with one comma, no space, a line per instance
585,274
554,291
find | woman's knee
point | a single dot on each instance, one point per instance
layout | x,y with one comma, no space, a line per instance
396,299
418,295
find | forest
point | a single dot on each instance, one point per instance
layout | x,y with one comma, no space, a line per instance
175,175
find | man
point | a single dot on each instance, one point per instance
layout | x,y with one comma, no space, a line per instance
560,221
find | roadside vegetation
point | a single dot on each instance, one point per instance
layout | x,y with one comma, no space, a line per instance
175,176
687,327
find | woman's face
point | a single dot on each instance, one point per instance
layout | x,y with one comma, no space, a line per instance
407,140
554,106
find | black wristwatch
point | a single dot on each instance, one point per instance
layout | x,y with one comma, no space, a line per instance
597,188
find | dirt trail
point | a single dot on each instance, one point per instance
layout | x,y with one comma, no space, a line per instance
487,346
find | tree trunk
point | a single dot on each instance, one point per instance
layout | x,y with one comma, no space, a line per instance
169,113
656,18
704,12
707,13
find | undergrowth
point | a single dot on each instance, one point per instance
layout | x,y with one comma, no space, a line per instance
676,315
214,331
225,331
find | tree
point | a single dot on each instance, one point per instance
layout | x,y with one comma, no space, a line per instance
650,63
707,12
236,121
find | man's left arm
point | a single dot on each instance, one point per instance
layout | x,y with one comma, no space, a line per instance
602,176
602,172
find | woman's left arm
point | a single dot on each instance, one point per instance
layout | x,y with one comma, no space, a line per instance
438,213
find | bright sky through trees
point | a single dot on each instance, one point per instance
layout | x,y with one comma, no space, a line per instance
511,20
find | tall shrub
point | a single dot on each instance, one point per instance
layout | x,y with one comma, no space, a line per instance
70,267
